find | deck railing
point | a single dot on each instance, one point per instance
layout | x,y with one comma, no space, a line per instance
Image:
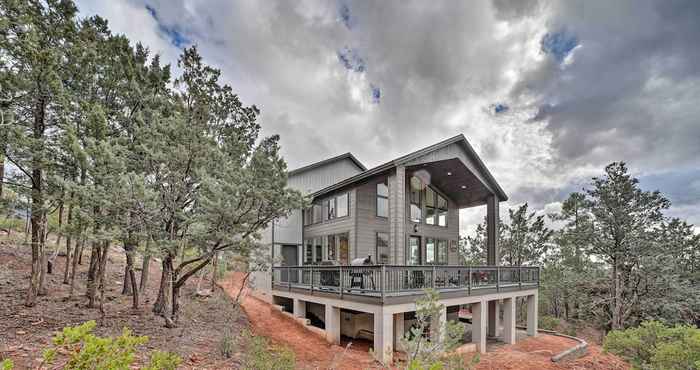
388,280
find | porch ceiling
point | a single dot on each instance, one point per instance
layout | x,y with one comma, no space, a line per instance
454,179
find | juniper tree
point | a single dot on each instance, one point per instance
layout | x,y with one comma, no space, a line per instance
34,36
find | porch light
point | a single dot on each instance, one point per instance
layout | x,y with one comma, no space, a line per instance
464,186
449,174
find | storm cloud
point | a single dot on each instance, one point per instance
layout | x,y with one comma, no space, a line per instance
547,92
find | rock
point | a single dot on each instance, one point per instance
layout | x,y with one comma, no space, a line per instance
20,332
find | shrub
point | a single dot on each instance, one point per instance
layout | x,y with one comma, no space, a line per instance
263,356
548,322
227,343
6,364
653,345
88,351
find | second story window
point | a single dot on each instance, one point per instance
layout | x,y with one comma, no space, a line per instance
416,192
383,199
318,213
342,206
382,253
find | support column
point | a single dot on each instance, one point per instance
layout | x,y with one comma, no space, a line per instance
479,326
397,214
494,320
398,330
299,308
509,320
532,315
332,323
383,337
492,255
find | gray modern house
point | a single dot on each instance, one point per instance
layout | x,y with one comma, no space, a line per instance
402,218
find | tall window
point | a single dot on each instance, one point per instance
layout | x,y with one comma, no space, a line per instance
430,209
341,209
331,248
430,251
318,213
329,208
318,250
308,251
442,252
415,195
308,216
383,199
413,251
442,210
382,248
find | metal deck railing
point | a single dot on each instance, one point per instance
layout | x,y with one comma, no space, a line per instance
393,280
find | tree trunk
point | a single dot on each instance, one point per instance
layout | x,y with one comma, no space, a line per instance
129,274
68,250
80,253
78,247
616,323
93,274
161,305
145,268
37,214
126,283
215,268
2,170
59,234
46,265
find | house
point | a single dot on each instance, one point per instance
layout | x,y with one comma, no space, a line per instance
402,218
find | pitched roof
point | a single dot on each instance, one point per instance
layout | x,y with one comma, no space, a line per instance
324,162
419,153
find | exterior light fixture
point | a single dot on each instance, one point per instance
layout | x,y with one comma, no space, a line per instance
464,186
449,174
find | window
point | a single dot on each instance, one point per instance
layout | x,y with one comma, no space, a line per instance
318,250
342,205
331,248
430,251
430,212
343,249
382,248
415,197
308,216
413,251
308,252
383,199
442,210
318,213
442,252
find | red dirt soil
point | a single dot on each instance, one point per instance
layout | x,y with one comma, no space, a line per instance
313,352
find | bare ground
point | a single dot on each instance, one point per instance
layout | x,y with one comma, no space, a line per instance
24,331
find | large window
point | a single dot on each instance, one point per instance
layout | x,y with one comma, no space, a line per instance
426,204
318,250
332,251
318,213
435,251
430,251
308,252
383,199
416,190
442,252
342,205
413,256
430,209
382,248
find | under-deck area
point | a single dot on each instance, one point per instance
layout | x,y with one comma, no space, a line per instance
377,301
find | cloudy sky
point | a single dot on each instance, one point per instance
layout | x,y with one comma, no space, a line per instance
548,93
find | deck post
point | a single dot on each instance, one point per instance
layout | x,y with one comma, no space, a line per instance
340,283
289,280
433,276
383,336
498,279
332,322
381,281
520,277
312,280
469,289
509,320
532,315
479,325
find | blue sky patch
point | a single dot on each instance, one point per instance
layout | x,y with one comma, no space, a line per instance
350,59
558,44
344,15
376,94
177,38
500,108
